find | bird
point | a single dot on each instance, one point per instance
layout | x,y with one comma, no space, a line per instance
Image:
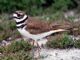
32,28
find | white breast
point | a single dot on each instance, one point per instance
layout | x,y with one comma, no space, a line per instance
26,34
40,36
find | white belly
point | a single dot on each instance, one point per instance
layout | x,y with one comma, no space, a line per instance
26,34
40,36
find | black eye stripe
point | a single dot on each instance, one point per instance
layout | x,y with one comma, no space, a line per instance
18,15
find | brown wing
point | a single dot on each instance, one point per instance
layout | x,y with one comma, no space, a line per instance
62,24
36,26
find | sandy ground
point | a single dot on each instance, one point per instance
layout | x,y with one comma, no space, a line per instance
60,54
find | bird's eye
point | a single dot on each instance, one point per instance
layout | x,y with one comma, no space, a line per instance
18,15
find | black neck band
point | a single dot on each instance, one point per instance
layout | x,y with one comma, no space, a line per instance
21,26
22,21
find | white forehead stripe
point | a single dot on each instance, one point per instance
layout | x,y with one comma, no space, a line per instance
15,15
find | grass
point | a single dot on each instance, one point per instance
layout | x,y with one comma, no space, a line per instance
53,17
77,44
62,43
22,55
7,27
16,46
19,45
18,50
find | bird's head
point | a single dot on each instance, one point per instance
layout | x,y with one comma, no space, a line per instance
18,16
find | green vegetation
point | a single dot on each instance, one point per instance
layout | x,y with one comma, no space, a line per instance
22,55
16,46
18,50
64,42
19,45
35,7
7,28
77,44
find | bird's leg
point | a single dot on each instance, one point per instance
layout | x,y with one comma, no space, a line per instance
38,46
36,53
33,50
38,49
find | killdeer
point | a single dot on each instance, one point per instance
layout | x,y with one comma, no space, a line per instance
32,28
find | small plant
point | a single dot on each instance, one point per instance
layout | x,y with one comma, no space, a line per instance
12,26
77,44
2,49
22,55
18,50
64,42
18,46
71,18
7,28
